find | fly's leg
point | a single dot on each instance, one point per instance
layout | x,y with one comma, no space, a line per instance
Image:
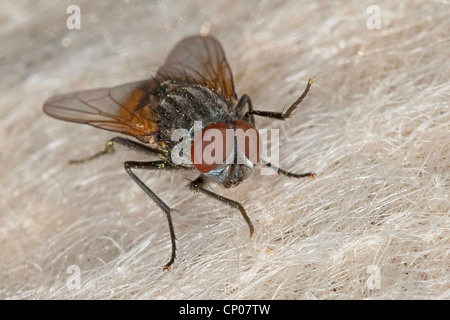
155,165
127,143
290,174
280,115
245,100
198,184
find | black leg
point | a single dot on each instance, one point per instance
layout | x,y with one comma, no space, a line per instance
245,100
155,165
198,186
127,143
290,174
281,115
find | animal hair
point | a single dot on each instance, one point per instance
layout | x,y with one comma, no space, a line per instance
374,224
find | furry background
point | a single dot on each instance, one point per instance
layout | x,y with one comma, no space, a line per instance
375,128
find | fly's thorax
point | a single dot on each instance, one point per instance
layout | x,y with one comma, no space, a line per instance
181,104
200,130
186,103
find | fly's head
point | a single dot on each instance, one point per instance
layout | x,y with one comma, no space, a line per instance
226,153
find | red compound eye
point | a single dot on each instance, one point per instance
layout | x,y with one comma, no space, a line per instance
212,147
248,140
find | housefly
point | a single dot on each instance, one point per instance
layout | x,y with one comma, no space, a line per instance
194,87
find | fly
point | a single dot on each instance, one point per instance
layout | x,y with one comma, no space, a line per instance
195,85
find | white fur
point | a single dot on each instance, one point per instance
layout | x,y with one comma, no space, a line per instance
375,128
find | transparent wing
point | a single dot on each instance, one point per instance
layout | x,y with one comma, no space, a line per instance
128,109
200,60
